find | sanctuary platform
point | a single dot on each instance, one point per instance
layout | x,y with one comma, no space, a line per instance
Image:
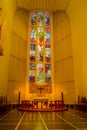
42,105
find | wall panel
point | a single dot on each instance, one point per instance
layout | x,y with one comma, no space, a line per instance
63,58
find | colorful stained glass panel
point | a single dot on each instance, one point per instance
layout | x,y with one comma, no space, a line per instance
48,79
32,52
32,75
31,72
48,73
32,79
40,52
47,35
33,18
40,18
33,35
48,70
40,73
40,35
47,19
48,55
32,66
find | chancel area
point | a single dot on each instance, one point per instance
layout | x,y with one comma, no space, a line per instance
43,66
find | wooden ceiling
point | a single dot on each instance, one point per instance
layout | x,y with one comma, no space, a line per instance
50,5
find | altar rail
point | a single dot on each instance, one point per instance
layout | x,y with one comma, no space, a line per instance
42,105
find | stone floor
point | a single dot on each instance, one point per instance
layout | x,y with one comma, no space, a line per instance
62,120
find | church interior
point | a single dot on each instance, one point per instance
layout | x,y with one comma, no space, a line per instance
43,66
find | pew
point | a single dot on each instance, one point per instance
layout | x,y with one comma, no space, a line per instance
4,106
82,104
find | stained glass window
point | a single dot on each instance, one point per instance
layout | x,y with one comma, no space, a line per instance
40,19
40,35
33,35
40,52
48,54
32,72
40,67
40,73
48,72
33,18
47,35
32,52
47,19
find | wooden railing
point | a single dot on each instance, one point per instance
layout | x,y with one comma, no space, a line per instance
42,104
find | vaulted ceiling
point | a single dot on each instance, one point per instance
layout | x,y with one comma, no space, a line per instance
50,5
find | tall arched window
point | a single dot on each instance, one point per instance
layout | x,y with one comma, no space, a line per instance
40,67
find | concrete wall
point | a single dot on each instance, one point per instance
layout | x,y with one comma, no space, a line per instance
14,42
9,8
18,56
63,58
77,11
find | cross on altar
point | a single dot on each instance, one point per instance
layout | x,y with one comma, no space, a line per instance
40,89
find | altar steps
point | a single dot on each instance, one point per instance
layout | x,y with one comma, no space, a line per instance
43,110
